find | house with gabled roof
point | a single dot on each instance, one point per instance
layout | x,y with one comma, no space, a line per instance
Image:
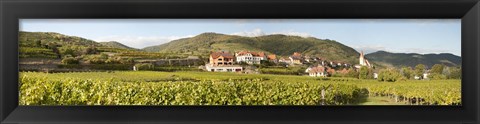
222,62
221,58
250,57
318,71
272,58
296,58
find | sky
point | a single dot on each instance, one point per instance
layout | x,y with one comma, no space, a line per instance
422,36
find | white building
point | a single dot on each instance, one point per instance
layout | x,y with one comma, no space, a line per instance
424,76
364,61
225,68
250,57
318,71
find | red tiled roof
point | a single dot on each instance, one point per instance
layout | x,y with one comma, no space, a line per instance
260,54
227,55
317,69
297,54
272,57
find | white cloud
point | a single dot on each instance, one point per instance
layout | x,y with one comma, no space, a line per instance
293,33
369,49
140,41
258,32
255,33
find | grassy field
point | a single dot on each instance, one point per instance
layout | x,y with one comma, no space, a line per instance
214,88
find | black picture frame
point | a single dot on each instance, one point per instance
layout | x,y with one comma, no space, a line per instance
466,10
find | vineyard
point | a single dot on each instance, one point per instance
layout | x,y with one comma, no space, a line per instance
210,88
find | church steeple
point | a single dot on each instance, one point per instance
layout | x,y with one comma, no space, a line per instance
361,59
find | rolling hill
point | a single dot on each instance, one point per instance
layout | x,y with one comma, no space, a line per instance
281,45
115,44
387,59
29,39
55,45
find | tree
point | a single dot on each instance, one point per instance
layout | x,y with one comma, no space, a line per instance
266,63
145,66
351,73
70,61
419,70
128,61
407,72
90,50
436,76
455,73
363,73
69,51
437,69
389,75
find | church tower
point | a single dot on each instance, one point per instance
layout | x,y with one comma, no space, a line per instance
362,59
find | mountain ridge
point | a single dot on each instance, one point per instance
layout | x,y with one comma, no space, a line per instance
390,59
115,44
278,44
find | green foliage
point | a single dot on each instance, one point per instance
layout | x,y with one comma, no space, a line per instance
70,61
363,74
97,67
436,76
266,63
33,52
114,44
144,66
283,70
455,73
170,88
352,74
407,72
389,75
420,92
436,73
38,43
149,55
249,92
419,70
90,50
95,59
118,60
68,51
176,68
437,69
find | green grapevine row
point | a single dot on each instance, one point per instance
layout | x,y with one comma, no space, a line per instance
42,91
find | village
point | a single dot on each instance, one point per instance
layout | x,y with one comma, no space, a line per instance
243,61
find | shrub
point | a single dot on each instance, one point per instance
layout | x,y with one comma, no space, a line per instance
389,75
70,60
145,66
436,76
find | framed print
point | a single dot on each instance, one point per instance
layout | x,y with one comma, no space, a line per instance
161,61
